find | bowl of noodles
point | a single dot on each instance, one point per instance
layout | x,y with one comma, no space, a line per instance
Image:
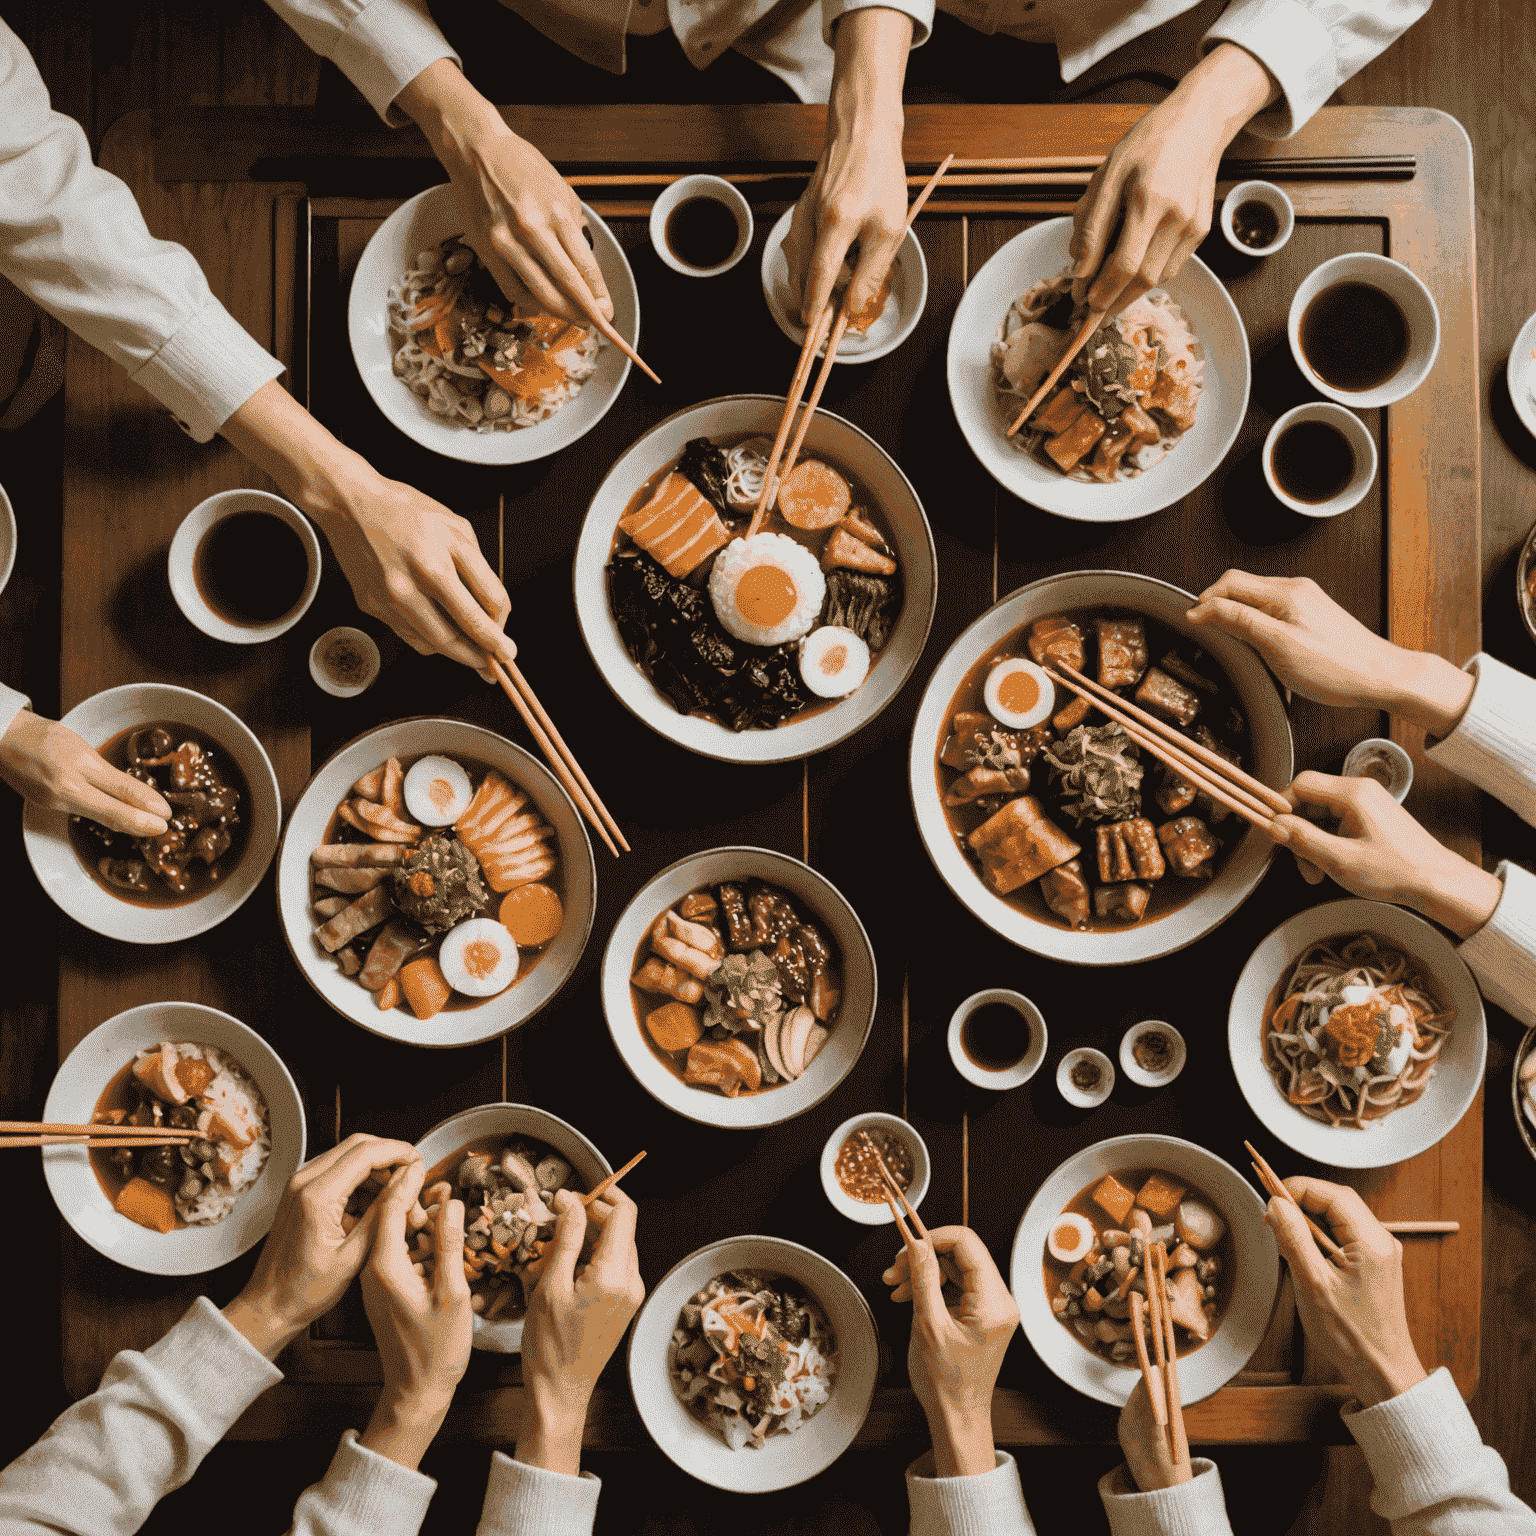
1357,1034
467,370
1144,415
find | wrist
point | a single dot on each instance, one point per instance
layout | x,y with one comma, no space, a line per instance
550,1437
1457,894
871,65
261,1324
1377,1381
1429,691
962,1440
446,107
1226,88
404,1424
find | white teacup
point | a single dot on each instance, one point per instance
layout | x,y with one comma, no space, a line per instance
1361,443
685,189
1030,1019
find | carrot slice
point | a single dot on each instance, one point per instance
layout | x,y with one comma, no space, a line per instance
425,987
532,914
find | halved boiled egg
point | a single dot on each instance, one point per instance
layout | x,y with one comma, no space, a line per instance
479,958
1071,1238
833,661
437,791
1019,694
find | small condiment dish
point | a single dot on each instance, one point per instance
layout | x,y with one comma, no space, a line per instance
873,1213
1361,443
1520,371
1081,1098
683,190
7,539
1525,583
1523,1090
181,564
1025,1067
1145,1077
1273,198
1393,767
340,653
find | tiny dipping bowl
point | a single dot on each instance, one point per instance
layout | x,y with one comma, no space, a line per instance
1085,1098
1396,775
684,190
1273,198
1361,444
873,1213
1139,1074
1025,1067
322,661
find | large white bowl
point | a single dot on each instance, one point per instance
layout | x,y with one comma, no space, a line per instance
1269,732
72,888
419,224
1458,1072
1258,1268
785,1459
458,1131
75,1093
844,1046
1041,252
889,490
306,827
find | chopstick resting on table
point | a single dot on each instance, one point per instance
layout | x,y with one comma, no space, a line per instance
602,1189
1276,1187
1090,325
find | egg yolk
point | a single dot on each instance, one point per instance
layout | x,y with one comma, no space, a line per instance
440,793
1066,1237
833,660
1018,693
481,958
765,595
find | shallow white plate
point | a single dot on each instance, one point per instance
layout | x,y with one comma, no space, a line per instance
1041,252
846,1042
904,308
1269,732
7,538
1520,370
1258,1268
785,1459
455,1025
420,224
850,450
458,1131
1459,1069
64,877
73,1098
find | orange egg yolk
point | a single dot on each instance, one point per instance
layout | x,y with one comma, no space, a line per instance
481,958
1066,1237
765,595
834,660
1018,693
440,793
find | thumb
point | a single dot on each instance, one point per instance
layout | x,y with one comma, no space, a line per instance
1296,1245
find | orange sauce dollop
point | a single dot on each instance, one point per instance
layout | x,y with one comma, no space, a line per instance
765,595
481,958
1018,692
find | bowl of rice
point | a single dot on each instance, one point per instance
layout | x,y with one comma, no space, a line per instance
466,370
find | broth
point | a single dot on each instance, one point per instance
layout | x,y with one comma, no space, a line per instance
1354,335
701,232
995,1037
119,1094
1313,461
250,568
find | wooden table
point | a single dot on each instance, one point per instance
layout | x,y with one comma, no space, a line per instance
277,208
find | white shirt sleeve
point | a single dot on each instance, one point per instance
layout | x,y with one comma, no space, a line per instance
529,1501
1494,742
1311,47
11,705
73,239
380,45
1502,953
1195,1508
921,12
989,1504
363,1494
1433,1474
106,1462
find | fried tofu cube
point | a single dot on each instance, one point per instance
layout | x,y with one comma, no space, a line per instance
1019,844
1160,1197
1114,1199
1059,412
1073,712
1068,448
147,1204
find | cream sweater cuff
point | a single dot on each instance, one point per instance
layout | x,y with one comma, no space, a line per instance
365,1493
1294,46
1195,1508
11,705
1502,953
989,1504
1494,742
210,1365
388,44
521,1500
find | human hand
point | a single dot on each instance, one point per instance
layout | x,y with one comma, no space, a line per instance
955,1351
577,1313
312,1252
1380,852
519,216
858,191
1324,653
49,766
1145,1443
1353,1310
1159,181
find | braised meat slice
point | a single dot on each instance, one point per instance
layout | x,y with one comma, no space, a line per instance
1168,697
1019,844
1056,638
1128,850
1189,847
1121,903
1065,892
1123,651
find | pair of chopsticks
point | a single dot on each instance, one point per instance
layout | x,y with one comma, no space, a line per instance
53,1133
893,1193
1089,326
1209,771
598,1191
814,338
1160,1370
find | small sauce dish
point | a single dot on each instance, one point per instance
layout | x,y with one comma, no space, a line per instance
1351,492
344,662
1257,218
1085,1077
885,1129
700,191
982,1041
1382,760
1152,1053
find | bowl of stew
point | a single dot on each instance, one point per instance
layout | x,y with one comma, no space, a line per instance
1055,830
220,784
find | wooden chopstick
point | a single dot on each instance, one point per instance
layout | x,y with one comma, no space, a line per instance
94,1142
1421,1228
553,755
95,1128
1090,325
1150,1374
1178,1436
1276,1187
814,337
613,1178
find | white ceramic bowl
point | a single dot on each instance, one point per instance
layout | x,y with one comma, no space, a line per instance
1274,199
72,888
323,679
7,539
74,1095
1418,307
1524,567
1459,1070
1526,1126
1361,444
1134,1070
822,900
841,444
1258,1268
461,1024
904,308
1041,252
682,190
1085,1098
183,551
1400,763
419,224
486,1120
1269,732
1025,1067
1520,371
786,1459
874,1213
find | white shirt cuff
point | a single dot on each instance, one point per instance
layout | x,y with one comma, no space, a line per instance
1502,953
11,705
1494,743
387,45
921,12
363,1491
208,1363
988,1504
207,370
521,1500
1294,46
1195,1508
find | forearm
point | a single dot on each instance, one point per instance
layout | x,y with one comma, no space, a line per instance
962,1441
1218,96
869,68
551,1436
450,111
259,1326
404,1425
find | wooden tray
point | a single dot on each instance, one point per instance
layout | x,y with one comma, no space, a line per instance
280,252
